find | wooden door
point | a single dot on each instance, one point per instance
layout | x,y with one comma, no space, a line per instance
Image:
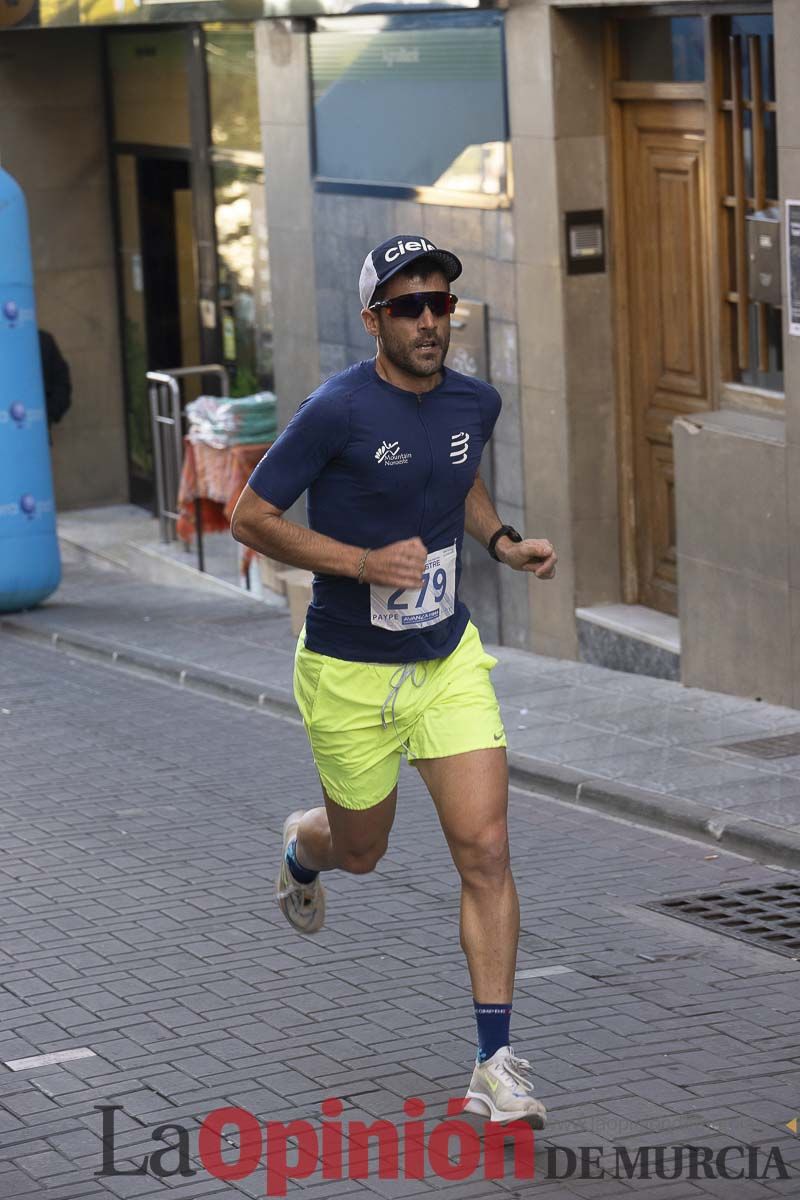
665,181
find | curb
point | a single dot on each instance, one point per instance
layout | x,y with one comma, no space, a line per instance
659,810
149,566
186,675
672,814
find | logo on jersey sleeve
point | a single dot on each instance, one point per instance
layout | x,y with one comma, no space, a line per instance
459,448
391,455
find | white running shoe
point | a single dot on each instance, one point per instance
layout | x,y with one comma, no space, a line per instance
303,904
499,1089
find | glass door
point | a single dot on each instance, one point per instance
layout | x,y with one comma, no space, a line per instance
192,241
156,246
245,297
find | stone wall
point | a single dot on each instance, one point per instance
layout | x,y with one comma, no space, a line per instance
733,555
557,105
283,97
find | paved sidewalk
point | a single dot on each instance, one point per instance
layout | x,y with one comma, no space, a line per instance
139,834
628,744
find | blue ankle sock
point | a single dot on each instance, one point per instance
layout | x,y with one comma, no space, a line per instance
494,1021
300,873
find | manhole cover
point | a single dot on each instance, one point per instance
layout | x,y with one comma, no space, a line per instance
784,745
767,916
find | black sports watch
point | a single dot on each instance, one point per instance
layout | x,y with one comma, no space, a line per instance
504,531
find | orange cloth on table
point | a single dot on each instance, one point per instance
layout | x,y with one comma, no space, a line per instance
216,478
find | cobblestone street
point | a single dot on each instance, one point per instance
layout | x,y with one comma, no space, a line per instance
140,826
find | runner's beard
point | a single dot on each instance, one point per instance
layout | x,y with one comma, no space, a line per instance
410,359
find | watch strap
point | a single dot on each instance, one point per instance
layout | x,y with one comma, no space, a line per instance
504,531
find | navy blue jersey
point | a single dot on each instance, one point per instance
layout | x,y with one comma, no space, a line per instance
380,464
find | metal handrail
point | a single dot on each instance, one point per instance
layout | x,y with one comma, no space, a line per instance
166,418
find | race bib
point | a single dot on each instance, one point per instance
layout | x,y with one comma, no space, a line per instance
434,601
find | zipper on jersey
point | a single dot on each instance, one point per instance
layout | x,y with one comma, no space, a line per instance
430,470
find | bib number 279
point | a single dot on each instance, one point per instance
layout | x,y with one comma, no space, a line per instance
437,582
434,601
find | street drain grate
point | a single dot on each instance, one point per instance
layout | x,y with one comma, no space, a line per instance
767,916
784,745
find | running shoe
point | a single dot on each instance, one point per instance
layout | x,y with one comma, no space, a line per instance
303,904
500,1090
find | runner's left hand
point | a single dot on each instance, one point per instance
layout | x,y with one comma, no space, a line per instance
531,554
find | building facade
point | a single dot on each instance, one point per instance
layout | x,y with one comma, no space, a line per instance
204,185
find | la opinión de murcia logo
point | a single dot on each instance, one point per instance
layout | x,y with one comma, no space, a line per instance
233,1144
391,455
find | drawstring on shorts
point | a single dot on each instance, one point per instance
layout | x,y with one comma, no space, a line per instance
407,671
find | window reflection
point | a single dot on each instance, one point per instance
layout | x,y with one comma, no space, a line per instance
244,281
232,91
411,101
761,27
481,168
245,298
662,49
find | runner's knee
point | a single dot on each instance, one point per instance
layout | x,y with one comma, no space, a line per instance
484,857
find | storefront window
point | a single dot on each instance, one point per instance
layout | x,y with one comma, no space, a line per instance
662,50
408,101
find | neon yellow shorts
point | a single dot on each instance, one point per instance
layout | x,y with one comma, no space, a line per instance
361,717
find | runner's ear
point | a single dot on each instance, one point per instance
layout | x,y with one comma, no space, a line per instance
371,322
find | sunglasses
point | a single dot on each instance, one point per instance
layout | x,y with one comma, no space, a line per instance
413,304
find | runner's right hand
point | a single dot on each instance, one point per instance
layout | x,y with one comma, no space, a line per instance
397,565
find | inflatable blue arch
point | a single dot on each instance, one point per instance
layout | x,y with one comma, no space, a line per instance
30,566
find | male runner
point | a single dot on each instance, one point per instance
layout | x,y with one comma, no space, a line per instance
389,661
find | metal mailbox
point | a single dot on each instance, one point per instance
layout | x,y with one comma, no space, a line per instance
764,255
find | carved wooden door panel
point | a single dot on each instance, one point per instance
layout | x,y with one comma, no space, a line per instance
665,179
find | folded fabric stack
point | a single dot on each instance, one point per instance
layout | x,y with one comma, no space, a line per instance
221,422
